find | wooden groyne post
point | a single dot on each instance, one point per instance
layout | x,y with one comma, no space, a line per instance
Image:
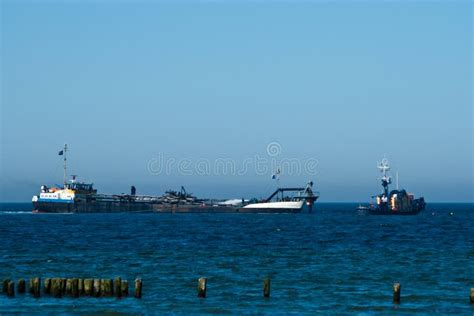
56,287
30,286
68,286
36,287
75,287
80,286
63,284
266,287
118,287
202,287
72,287
5,285
96,288
11,288
397,288
124,288
21,286
138,288
47,286
89,287
107,288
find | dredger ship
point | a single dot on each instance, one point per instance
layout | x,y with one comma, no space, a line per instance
397,202
79,197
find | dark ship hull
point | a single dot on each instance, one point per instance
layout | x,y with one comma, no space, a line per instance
144,207
91,207
386,211
123,206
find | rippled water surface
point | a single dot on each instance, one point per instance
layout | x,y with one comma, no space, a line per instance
333,260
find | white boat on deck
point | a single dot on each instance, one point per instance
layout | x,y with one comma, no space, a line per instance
279,203
285,205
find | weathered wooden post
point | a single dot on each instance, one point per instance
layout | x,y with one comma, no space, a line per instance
68,286
107,288
202,287
118,286
30,286
64,284
397,288
75,287
56,287
21,286
80,286
472,295
36,287
5,285
124,288
47,286
89,287
96,288
53,286
61,286
11,288
138,288
266,287
102,287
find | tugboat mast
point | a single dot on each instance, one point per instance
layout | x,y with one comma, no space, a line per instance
397,180
386,180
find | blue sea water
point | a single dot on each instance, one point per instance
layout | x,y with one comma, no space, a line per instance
333,260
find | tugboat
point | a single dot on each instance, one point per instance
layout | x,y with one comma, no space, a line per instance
397,202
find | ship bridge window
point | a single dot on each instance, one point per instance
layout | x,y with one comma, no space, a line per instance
80,186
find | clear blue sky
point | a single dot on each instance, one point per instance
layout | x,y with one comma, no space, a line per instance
340,82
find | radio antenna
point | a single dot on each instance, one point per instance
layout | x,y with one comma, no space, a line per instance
65,163
397,179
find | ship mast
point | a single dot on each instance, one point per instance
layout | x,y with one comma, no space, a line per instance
386,180
65,163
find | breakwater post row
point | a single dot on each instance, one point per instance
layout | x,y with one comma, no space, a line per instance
75,287
57,287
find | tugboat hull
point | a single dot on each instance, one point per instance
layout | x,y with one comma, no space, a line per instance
376,211
416,207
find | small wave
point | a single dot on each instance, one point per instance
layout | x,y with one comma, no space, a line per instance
31,212
40,213
16,212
